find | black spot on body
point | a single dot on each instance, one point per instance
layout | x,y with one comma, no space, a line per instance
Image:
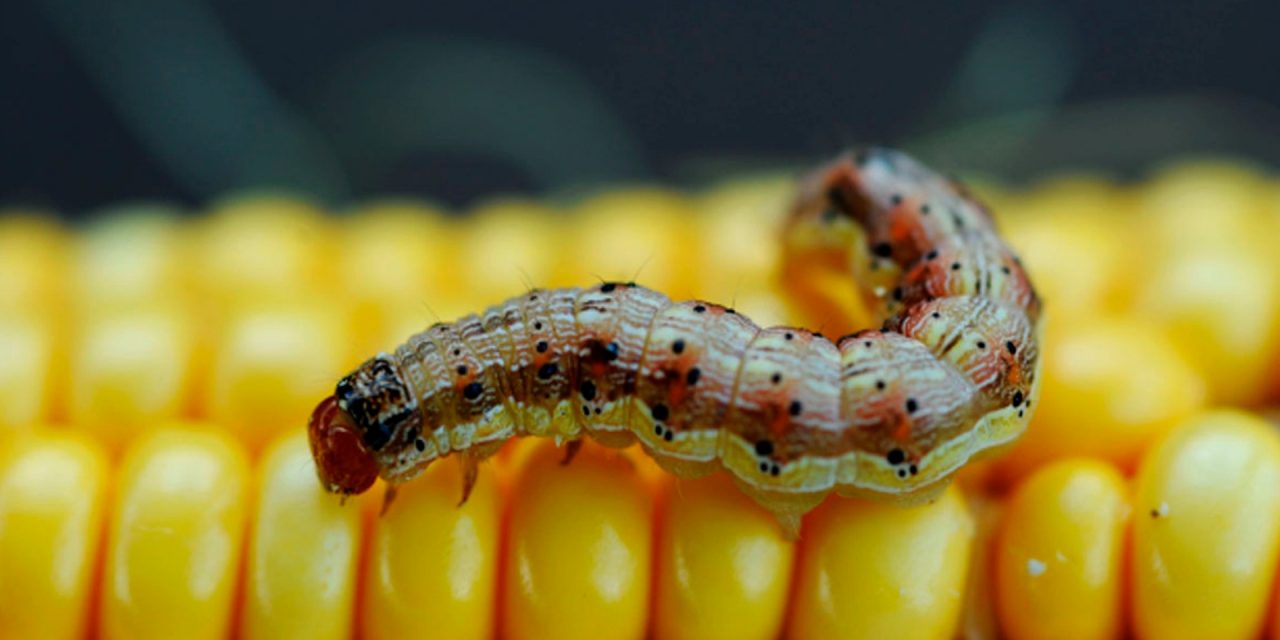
880,385
1012,348
955,266
547,370
542,346
795,408
420,445
912,405
691,378
882,249
678,346
776,378
1017,398
764,448
982,344
895,199
668,435
774,470
931,255
896,456
699,309
789,335
588,390
473,391
659,412
897,294
538,326
462,369
608,287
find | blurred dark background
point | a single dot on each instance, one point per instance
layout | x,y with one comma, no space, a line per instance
183,99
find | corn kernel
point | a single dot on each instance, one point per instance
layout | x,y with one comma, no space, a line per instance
578,551
130,370
1059,553
263,246
33,262
1076,249
1111,387
1207,529
723,566
304,548
876,570
1222,309
52,488
432,565
508,250
978,619
274,364
633,234
174,545
133,255
391,255
736,246
26,371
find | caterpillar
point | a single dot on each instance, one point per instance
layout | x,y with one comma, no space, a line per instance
892,413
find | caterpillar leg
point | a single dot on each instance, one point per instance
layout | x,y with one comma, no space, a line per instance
387,498
571,450
470,466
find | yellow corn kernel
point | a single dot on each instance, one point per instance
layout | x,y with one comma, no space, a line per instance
510,246
432,566
33,257
263,246
52,488
132,255
26,371
736,240
1207,529
130,370
1203,202
723,565
1076,250
392,255
1222,308
642,234
300,580
578,550
174,545
272,367
1112,386
875,570
1059,553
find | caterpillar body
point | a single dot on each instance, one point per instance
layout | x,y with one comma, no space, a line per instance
893,412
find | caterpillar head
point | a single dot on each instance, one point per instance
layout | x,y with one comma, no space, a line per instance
349,429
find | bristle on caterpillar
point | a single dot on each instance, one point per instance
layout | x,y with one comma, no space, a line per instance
790,414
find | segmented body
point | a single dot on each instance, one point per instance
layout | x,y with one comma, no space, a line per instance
892,412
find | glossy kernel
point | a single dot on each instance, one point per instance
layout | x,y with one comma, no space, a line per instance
875,570
174,544
130,370
432,565
300,578
52,489
1207,529
26,371
1112,386
723,567
271,367
578,550
1059,553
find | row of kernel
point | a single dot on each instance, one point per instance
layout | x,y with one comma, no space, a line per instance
1194,542
144,317
579,552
